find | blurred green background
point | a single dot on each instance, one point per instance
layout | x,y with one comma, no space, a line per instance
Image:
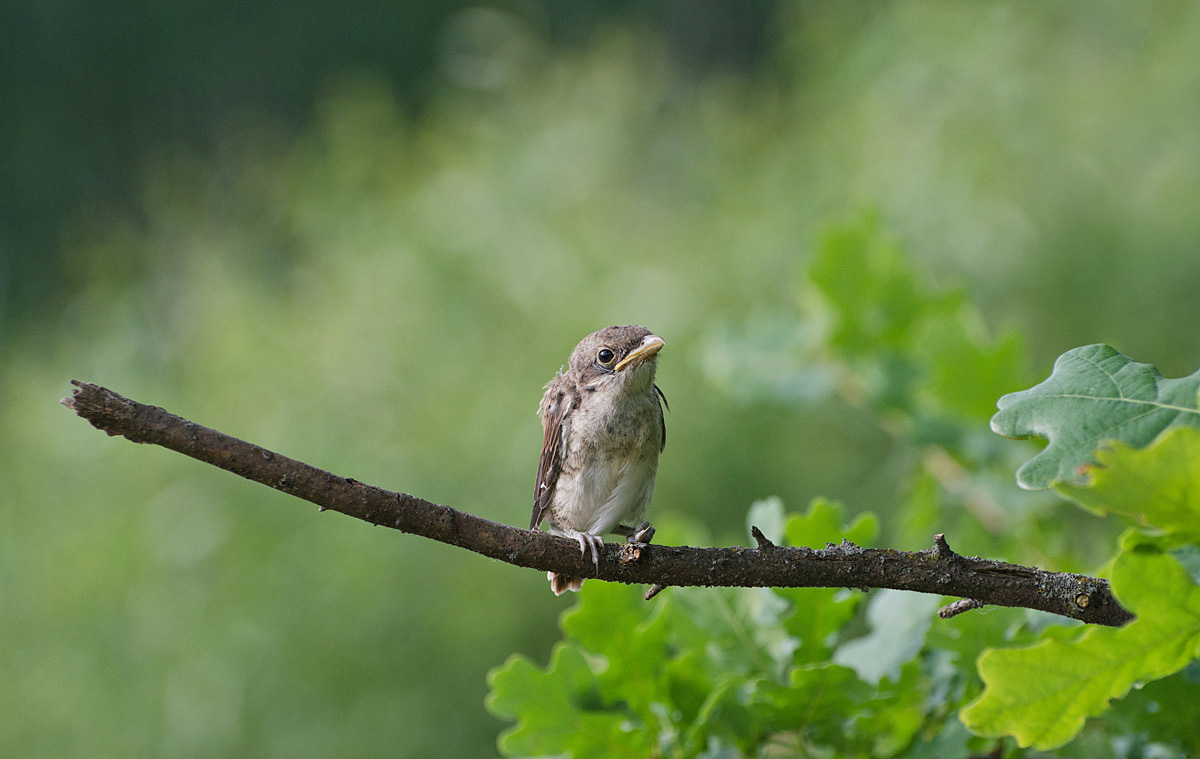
366,236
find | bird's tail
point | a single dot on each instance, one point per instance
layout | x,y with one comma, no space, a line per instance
561,583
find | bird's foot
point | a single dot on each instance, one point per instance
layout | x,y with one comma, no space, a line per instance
643,533
589,542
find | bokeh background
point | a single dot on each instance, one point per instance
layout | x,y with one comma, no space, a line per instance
365,236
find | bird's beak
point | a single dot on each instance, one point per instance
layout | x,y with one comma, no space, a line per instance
650,345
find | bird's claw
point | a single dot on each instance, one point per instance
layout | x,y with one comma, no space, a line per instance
594,543
643,533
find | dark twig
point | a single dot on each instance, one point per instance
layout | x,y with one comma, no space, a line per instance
959,606
941,549
762,540
654,590
936,570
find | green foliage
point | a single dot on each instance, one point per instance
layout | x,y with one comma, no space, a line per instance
1042,694
1094,396
872,291
704,671
911,349
812,672
819,613
1158,486
898,623
560,707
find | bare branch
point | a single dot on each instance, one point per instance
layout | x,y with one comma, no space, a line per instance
936,570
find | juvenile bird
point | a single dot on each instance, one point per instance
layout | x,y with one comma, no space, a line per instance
604,429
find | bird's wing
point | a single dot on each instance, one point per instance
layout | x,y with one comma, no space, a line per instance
556,405
662,418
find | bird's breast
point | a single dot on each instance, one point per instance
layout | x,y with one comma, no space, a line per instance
603,492
610,462
619,428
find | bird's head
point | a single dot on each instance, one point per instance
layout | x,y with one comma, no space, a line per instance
620,356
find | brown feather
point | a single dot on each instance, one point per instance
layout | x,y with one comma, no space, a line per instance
556,404
662,418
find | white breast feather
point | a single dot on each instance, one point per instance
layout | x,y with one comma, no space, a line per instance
603,495
628,501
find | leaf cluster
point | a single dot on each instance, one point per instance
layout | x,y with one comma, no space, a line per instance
718,671
1122,440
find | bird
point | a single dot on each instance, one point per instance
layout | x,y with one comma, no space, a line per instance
603,430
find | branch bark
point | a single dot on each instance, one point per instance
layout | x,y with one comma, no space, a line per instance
936,570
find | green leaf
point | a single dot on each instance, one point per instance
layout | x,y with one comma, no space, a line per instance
822,524
818,613
740,629
675,664
952,740
869,290
1094,395
894,714
709,671
818,698
612,620
722,714
966,371
1043,694
899,621
559,711
1157,486
830,706
900,345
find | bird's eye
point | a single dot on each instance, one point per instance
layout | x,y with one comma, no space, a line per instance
605,356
